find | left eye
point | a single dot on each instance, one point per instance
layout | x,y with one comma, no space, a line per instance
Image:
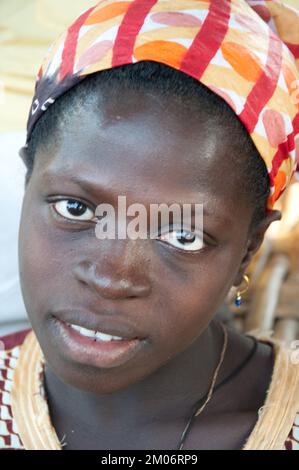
73,209
183,239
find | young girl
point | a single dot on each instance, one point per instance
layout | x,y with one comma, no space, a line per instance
159,101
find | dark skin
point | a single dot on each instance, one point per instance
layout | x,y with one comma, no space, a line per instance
136,146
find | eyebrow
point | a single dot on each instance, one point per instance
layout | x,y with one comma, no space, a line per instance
89,186
86,185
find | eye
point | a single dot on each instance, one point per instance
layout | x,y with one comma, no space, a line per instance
183,239
73,209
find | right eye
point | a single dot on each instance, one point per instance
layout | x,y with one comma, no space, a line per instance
183,240
73,209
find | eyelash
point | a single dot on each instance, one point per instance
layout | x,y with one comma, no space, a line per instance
204,247
55,212
52,203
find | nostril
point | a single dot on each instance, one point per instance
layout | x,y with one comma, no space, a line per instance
109,286
114,289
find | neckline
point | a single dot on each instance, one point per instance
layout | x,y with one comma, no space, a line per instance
31,413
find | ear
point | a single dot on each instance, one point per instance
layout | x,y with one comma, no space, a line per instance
254,242
24,156
23,153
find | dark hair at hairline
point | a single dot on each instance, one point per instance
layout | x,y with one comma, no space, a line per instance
167,81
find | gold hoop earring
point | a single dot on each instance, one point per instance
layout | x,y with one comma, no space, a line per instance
238,299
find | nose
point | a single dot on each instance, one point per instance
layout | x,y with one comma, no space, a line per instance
119,271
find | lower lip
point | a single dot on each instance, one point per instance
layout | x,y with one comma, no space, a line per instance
103,354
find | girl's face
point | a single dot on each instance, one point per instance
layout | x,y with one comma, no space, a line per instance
150,151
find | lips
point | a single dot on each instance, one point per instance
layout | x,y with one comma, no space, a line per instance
95,335
95,352
108,324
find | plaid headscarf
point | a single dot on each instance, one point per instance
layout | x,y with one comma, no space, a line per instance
245,52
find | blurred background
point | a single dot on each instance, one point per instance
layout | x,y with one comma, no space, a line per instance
27,28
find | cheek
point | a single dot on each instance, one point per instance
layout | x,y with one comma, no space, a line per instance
41,259
192,293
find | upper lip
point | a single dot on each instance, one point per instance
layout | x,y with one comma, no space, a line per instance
111,325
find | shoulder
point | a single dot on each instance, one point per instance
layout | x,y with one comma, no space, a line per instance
277,426
10,346
268,387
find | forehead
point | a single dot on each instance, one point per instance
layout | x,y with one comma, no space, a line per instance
140,143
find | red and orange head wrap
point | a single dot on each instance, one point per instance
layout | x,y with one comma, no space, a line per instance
233,47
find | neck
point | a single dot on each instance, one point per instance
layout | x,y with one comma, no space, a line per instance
170,392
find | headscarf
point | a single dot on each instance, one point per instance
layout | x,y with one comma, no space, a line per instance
244,51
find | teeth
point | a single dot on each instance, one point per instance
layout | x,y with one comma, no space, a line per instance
96,335
75,327
104,337
86,332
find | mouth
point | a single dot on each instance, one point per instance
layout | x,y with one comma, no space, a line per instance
96,348
97,335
